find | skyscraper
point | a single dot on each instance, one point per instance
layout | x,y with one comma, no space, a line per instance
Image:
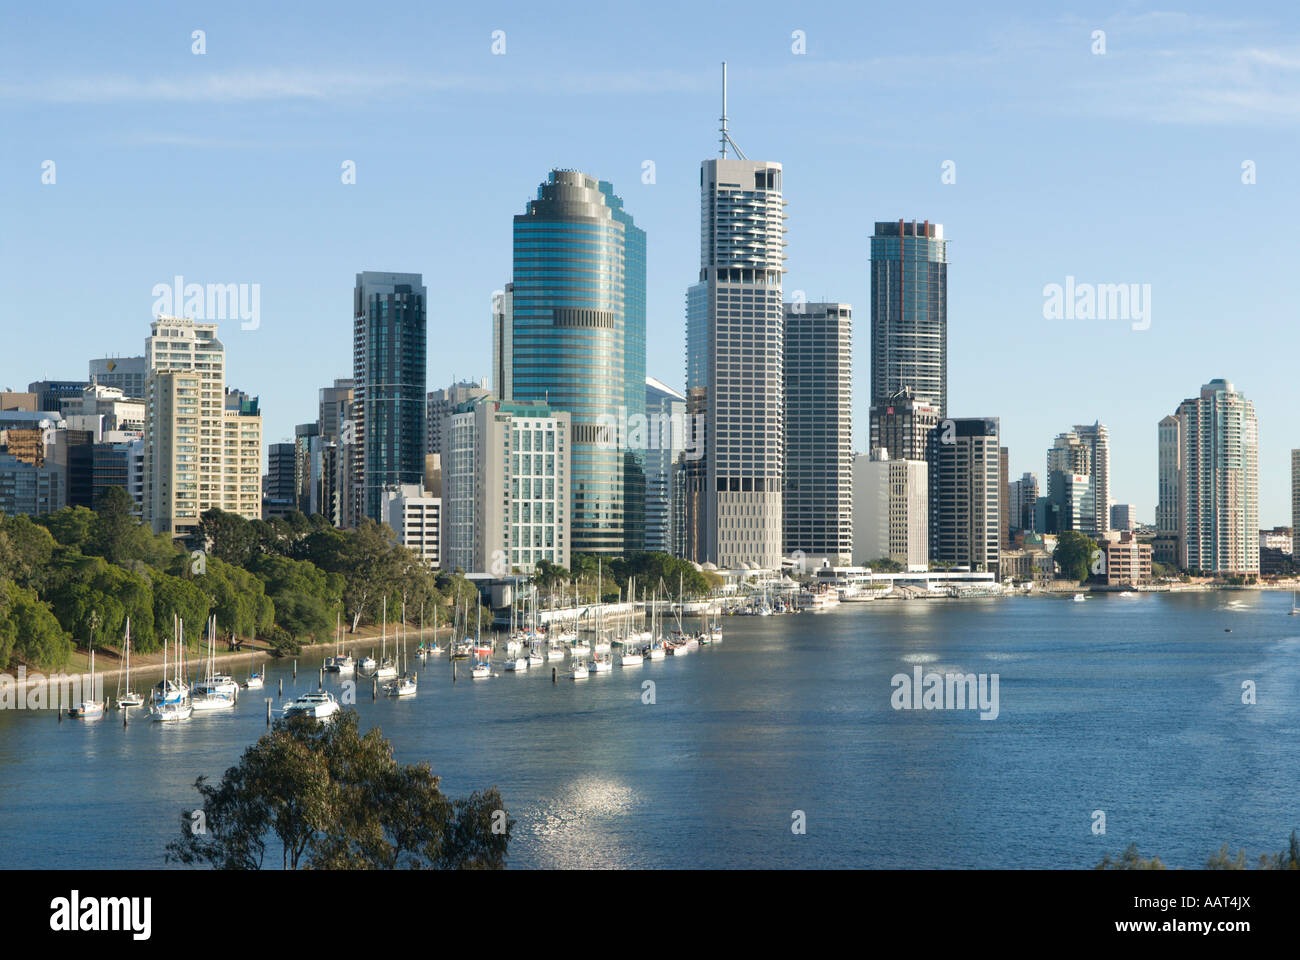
389,356
438,408
734,363
1219,482
909,312
965,460
634,376
565,325
203,445
1169,451
1096,438
817,507
666,408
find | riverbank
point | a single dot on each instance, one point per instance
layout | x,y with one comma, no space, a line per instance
150,666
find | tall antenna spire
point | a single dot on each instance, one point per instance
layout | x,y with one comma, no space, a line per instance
726,137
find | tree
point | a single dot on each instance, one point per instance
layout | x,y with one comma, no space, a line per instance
30,631
1130,860
112,532
228,536
886,565
1075,553
334,799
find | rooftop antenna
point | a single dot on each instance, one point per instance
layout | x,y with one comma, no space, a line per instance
726,137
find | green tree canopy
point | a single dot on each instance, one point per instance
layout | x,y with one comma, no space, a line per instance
330,798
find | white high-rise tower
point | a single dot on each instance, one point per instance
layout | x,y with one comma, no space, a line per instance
734,362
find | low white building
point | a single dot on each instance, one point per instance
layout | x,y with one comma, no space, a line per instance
416,517
891,506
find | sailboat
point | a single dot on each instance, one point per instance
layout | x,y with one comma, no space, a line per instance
171,697
405,684
1294,609
482,668
387,669
129,698
89,708
340,662
255,680
215,691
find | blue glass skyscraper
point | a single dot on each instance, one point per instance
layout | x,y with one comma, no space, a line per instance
567,323
634,310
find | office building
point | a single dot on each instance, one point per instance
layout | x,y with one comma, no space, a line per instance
665,410
909,312
439,405
389,357
891,510
735,375
565,330
817,508
1123,517
127,374
965,464
505,484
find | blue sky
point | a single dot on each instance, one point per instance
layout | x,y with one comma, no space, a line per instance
1122,167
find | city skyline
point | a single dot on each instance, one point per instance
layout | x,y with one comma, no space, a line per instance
1113,184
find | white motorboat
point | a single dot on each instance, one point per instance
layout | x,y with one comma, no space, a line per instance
602,664
368,665
631,658
515,664
319,704
554,651
1078,598
580,671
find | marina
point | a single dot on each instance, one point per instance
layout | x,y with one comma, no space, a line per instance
789,713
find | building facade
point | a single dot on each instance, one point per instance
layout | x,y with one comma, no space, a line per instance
416,517
666,409
566,330
389,357
817,508
1219,482
891,510
909,313
505,485
735,367
965,460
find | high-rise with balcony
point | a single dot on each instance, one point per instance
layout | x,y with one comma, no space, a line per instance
202,445
560,336
735,364
817,511
1218,521
389,357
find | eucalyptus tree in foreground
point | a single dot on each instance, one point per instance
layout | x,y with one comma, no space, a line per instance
332,799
